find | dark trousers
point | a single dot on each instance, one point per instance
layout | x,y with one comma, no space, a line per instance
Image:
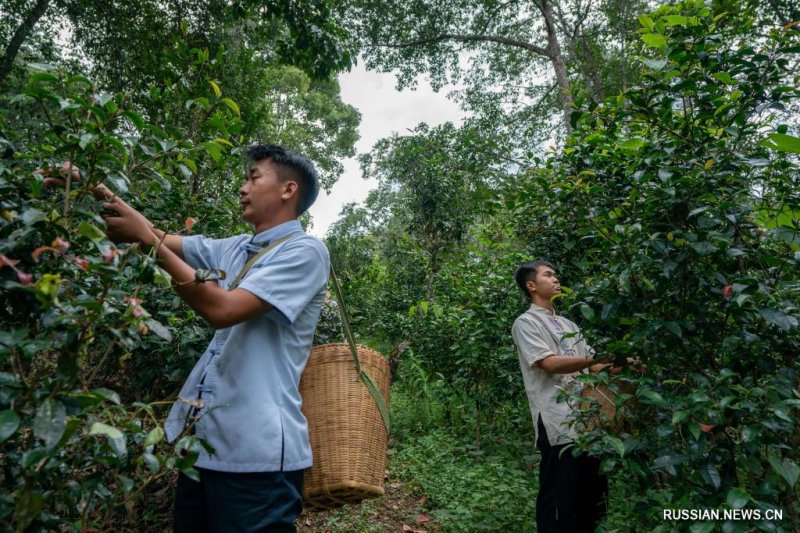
572,493
232,502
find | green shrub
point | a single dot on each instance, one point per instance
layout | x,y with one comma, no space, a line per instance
75,309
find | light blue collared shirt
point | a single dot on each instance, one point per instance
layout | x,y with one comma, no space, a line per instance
248,377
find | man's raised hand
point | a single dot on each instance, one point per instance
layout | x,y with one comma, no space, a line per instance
57,177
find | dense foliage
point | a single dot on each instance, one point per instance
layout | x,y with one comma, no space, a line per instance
94,343
676,206
671,210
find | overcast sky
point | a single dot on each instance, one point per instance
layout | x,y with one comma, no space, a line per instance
383,110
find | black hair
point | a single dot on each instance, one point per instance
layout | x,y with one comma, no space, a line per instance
290,165
527,272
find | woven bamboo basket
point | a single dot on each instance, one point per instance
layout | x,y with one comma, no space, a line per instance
603,400
348,436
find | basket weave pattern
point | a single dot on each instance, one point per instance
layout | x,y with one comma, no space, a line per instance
348,436
602,400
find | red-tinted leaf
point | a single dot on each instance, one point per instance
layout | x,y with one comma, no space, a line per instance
727,291
81,262
421,519
110,254
24,278
60,245
189,223
7,261
37,252
706,428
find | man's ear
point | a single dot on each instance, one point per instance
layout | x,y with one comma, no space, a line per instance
290,188
530,285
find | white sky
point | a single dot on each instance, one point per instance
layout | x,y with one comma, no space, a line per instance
384,110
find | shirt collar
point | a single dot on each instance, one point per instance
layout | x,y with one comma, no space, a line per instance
276,232
539,309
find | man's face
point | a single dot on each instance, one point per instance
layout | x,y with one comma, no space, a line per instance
546,284
263,193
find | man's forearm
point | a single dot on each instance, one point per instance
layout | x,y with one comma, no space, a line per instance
566,364
204,298
173,242
219,307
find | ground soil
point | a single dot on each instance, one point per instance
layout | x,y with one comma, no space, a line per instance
398,510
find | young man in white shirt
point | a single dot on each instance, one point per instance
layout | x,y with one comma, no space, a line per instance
552,351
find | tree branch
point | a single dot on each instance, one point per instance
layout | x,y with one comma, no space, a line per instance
783,19
538,50
21,33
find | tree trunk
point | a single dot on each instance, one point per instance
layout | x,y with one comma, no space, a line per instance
591,69
22,32
557,58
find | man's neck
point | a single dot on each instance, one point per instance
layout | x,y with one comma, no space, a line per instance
269,224
543,302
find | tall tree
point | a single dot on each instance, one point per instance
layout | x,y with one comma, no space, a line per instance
509,55
21,33
121,40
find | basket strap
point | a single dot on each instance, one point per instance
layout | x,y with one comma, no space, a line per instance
253,258
362,374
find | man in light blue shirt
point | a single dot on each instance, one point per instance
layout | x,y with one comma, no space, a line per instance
242,395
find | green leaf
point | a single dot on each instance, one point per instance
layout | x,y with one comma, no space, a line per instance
674,328
233,106
43,67
107,394
653,397
679,416
159,329
191,473
737,498
214,150
155,436
40,77
783,143
216,88
90,231
787,469
778,318
676,20
9,423
120,182
632,144
703,247
152,462
50,422
655,40
655,64
647,22
616,444
114,436
220,140
587,312
724,77
163,279
32,215
711,474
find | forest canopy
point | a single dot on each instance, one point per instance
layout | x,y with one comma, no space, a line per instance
669,200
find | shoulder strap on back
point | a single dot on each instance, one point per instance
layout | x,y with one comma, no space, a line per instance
250,262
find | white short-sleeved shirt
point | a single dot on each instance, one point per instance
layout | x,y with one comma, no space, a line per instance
534,343
249,375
